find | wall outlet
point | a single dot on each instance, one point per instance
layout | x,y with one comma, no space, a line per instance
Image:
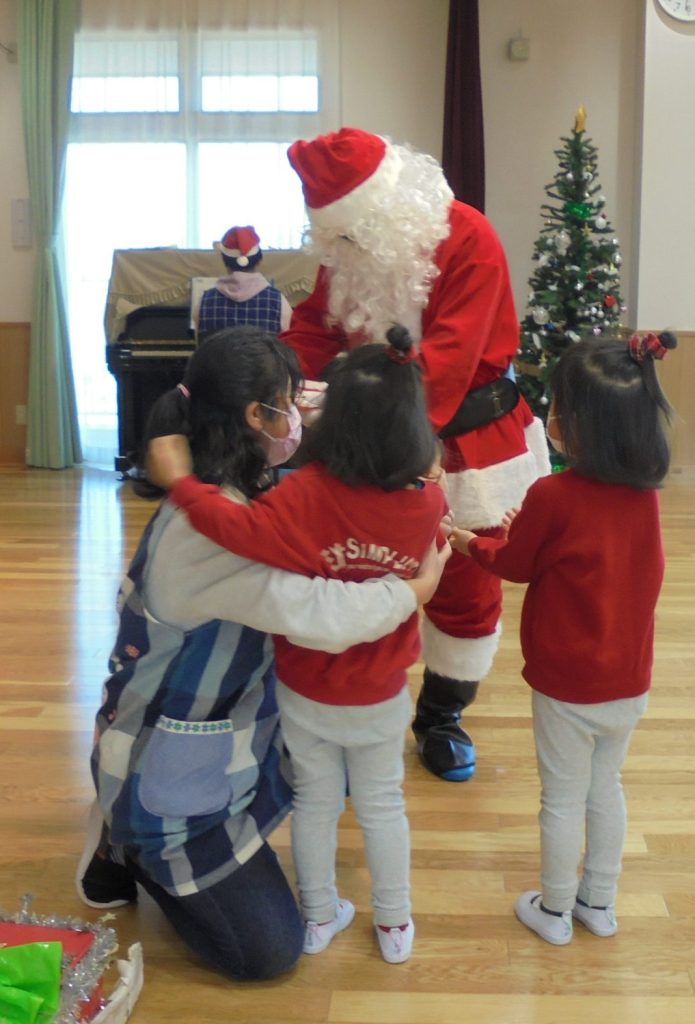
519,48
20,415
22,231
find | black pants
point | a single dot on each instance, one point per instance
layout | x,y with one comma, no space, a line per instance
247,926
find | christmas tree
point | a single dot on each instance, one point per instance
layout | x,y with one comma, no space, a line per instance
574,289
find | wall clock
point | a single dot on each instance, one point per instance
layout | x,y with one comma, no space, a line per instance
682,10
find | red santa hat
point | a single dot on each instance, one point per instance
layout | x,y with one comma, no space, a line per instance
343,174
240,244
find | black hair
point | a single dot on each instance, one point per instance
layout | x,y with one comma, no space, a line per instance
229,370
612,412
232,262
374,427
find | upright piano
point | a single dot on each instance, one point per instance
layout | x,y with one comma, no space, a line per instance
149,328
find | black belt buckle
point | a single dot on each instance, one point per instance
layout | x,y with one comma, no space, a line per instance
497,408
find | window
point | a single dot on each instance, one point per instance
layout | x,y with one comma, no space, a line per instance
113,75
175,136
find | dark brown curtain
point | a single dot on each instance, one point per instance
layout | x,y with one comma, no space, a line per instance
463,145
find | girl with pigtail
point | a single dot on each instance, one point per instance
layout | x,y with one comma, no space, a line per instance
366,502
189,763
587,541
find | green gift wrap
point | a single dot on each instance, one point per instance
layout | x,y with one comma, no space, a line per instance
30,982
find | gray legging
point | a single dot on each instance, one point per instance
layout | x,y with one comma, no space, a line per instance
581,749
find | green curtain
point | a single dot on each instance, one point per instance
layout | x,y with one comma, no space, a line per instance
45,40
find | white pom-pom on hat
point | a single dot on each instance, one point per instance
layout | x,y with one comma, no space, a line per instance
240,244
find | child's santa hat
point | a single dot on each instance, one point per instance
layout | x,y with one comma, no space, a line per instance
343,174
242,245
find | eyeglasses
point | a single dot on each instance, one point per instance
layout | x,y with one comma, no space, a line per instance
435,476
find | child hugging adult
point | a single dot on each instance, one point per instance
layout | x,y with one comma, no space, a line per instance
188,763
366,502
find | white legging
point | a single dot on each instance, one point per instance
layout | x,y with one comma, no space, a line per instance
329,758
580,750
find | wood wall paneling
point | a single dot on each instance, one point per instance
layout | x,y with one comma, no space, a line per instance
677,376
14,389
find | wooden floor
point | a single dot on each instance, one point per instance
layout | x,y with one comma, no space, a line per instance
64,539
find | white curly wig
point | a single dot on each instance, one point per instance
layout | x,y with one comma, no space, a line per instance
381,263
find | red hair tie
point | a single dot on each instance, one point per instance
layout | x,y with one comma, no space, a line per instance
184,390
642,346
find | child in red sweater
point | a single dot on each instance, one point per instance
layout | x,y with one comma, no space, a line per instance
587,541
364,505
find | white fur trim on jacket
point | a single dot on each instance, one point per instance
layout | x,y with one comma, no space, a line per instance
537,443
458,657
341,214
479,498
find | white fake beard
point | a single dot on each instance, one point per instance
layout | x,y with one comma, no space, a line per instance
382,273
365,296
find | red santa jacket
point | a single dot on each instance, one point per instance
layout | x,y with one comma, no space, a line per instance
470,334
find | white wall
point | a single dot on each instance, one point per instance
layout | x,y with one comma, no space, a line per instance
583,52
17,264
393,62
666,266
591,52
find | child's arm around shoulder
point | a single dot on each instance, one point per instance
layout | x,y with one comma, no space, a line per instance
261,530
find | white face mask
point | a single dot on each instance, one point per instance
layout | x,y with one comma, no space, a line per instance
280,449
556,442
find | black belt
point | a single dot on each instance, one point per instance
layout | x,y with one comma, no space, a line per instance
483,405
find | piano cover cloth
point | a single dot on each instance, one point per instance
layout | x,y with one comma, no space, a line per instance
162,277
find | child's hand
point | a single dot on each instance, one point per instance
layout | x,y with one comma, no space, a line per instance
508,518
460,539
426,581
447,523
168,459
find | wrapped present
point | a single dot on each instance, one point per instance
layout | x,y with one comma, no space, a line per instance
52,971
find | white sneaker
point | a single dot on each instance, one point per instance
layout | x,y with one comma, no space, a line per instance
599,920
396,944
318,936
551,927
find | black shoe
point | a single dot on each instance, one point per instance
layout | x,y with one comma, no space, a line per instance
447,751
106,884
444,747
100,881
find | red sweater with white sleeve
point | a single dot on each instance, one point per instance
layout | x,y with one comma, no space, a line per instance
311,523
592,556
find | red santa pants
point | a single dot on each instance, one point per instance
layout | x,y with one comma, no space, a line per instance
468,601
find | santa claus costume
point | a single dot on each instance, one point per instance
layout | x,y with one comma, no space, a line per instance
396,247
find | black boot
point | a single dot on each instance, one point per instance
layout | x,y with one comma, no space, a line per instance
445,749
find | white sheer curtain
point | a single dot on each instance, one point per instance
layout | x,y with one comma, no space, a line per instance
182,111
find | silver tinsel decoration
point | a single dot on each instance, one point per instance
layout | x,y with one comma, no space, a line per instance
78,980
